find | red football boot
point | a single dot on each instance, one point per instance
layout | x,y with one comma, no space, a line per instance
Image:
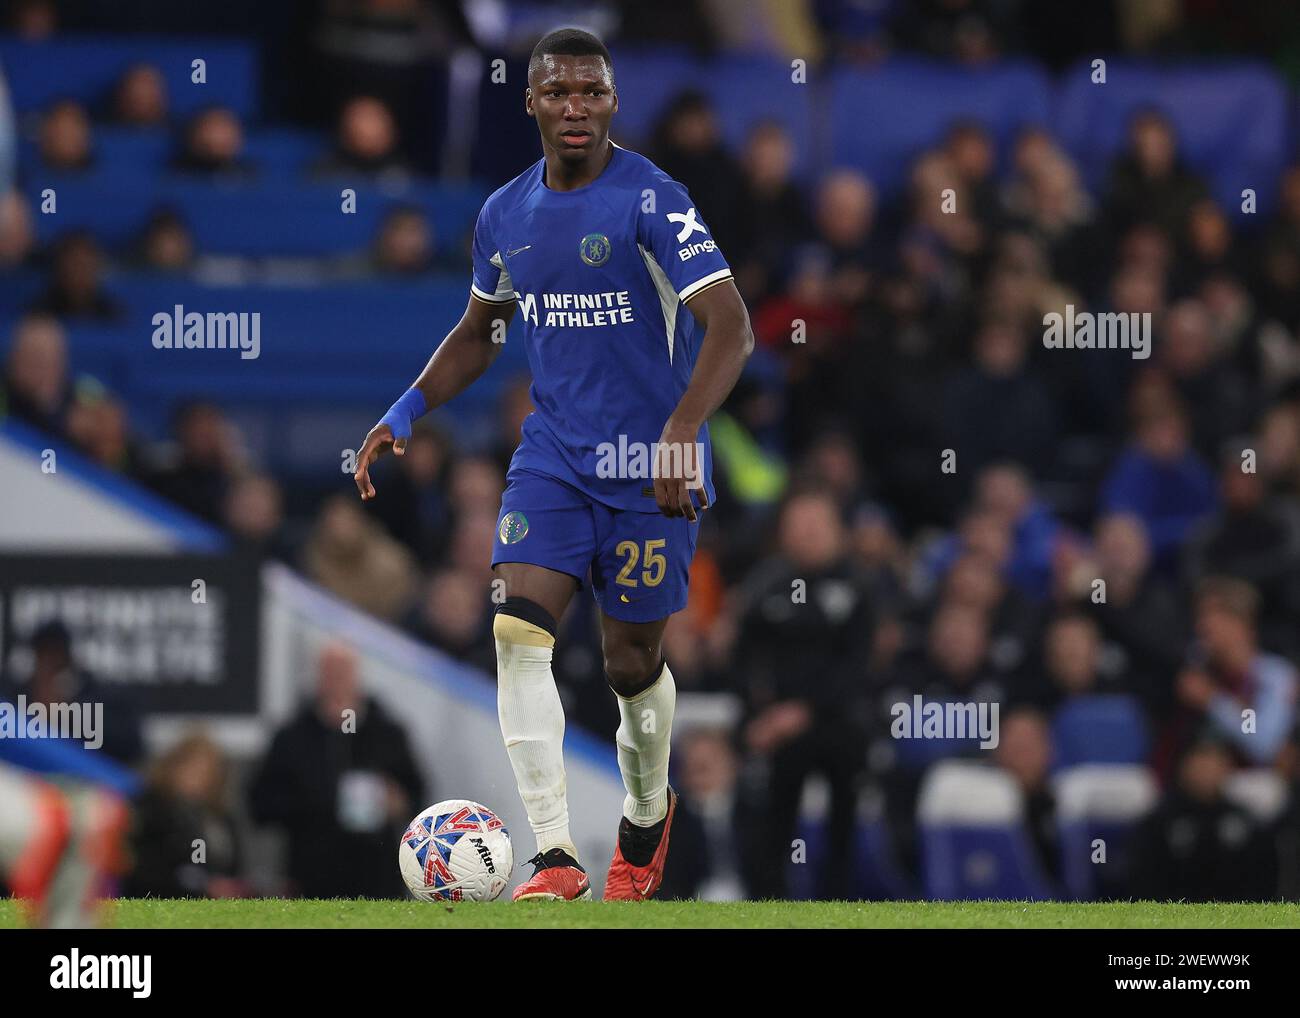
556,877
626,882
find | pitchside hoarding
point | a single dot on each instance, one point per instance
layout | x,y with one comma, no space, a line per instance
179,632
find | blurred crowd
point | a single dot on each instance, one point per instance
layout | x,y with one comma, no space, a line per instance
915,497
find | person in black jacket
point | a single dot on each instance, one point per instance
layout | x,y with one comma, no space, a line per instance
1197,845
716,825
341,780
184,841
806,628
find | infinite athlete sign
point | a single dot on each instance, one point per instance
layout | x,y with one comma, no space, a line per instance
178,632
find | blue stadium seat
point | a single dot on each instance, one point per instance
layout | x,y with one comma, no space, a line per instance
1099,729
284,152
88,69
974,844
1232,122
320,347
1099,802
263,217
883,117
876,873
743,90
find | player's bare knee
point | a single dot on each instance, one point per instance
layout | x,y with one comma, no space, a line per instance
631,670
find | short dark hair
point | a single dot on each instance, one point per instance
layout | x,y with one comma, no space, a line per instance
569,42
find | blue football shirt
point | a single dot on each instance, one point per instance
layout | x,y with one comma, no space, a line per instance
601,275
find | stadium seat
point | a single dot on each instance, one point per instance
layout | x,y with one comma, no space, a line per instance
974,844
87,69
263,217
1099,801
1261,793
743,90
1099,729
1231,119
883,117
876,873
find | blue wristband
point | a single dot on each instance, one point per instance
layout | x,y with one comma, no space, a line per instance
402,414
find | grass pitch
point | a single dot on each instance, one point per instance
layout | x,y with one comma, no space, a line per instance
273,913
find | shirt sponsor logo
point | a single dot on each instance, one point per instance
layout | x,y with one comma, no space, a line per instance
699,247
578,310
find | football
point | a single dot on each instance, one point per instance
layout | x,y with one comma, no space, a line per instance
456,850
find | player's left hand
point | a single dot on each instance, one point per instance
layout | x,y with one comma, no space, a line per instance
679,470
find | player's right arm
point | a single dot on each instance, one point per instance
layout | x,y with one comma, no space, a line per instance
460,359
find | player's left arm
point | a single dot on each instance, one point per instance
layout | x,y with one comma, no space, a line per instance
726,345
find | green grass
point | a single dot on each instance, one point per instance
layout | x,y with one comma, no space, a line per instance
363,914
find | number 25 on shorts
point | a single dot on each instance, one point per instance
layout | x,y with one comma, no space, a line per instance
653,567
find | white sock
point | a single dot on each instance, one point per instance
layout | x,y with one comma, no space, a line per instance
19,814
532,724
644,739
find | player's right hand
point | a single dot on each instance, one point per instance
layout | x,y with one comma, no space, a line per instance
378,442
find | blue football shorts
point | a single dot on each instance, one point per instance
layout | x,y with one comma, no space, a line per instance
639,562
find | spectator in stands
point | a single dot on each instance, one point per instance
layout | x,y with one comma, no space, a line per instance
56,678
772,218
1243,695
475,484
454,615
405,244
999,407
1197,845
351,557
1279,263
1139,611
17,238
96,423
1014,621
970,149
514,404
1073,662
35,388
1217,394
1279,448
1255,538
415,508
1024,751
366,144
254,515
1046,197
845,222
185,842
140,99
1207,244
1149,183
340,779
955,665
805,635
65,137
34,20
206,457
213,146
77,288
167,244
716,827
688,146
1161,480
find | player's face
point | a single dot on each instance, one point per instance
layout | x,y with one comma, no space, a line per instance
572,99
